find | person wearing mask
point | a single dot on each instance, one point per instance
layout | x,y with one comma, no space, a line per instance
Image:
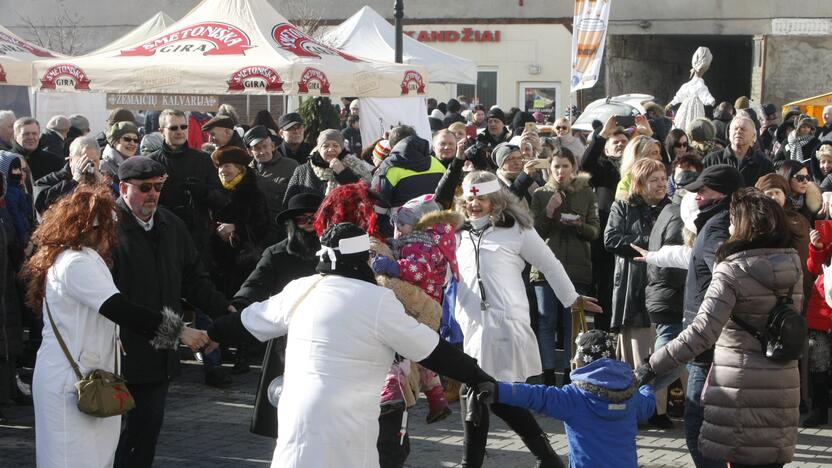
801,143
343,331
713,189
7,119
82,168
122,143
291,131
70,284
27,144
752,400
740,153
631,222
409,170
492,250
221,132
565,212
53,138
273,171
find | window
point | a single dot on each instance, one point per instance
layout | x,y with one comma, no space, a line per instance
484,92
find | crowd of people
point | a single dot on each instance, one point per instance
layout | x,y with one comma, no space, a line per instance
388,260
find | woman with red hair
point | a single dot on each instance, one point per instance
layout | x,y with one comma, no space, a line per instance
68,277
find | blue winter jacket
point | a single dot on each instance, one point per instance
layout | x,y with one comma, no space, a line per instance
601,410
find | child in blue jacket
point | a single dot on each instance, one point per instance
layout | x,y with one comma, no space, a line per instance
601,408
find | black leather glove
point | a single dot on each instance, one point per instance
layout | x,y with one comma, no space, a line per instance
197,188
487,392
645,374
473,407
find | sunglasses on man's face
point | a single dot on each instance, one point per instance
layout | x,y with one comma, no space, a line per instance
174,128
146,186
130,140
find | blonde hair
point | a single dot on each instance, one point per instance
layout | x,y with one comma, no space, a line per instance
639,173
637,149
824,150
502,201
456,127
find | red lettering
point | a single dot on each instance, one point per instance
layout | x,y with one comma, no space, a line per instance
423,36
466,34
436,36
451,36
497,36
487,36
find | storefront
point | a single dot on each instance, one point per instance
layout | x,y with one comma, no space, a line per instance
523,65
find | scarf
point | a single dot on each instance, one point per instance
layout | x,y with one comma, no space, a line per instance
232,184
798,201
795,144
328,175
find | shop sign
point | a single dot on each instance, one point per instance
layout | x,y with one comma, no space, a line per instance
256,77
313,79
465,35
65,75
183,102
209,38
413,82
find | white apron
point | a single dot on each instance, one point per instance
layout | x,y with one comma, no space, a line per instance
343,338
76,286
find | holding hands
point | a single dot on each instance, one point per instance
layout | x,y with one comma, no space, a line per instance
194,339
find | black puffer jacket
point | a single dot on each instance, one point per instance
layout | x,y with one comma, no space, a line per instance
665,291
408,172
753,166
630,222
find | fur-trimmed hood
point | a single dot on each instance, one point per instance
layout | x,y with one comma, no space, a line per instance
814,197
453,218
609,383
579,182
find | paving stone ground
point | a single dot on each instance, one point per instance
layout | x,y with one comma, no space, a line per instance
206,427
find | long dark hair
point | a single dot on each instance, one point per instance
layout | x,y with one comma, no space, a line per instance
789,168
759,222
300,243
672,139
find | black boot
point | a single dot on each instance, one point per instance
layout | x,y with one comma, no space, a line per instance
549,378
475,436
819,384
566,379
540,448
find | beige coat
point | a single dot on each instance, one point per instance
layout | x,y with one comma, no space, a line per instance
751,403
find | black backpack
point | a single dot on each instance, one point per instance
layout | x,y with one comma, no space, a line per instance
785,332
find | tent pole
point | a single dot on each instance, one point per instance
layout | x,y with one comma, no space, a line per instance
398,14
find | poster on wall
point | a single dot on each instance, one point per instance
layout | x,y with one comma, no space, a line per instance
589,33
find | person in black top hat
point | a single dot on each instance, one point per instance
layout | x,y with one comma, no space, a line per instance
291,130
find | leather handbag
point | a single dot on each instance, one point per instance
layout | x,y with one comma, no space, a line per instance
100,393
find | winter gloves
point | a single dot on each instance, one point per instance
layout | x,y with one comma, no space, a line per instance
386,266
645,374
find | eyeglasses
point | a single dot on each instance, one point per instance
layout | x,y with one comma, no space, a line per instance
130,139
801,178
146,186
174,128
681,145
561,128
304,219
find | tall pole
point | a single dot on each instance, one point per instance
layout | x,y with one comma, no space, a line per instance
398,13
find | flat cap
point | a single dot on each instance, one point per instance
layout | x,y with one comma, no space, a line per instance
140,167
255,135
220,121
289,120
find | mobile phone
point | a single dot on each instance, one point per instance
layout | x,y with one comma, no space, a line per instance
625,121
541,164
471,132
531,127
824,227
569,217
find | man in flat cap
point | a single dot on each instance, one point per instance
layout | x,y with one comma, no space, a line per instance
291,130
155,263
274,171
221,132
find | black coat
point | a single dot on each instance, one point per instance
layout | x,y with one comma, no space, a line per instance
605,172
665,291
52,186
808,152
412,154
40,161
753,166
191,203
158,268
300,156
247,211
712,230
52,141
273,179
630,222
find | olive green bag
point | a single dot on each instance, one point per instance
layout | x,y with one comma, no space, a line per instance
101,393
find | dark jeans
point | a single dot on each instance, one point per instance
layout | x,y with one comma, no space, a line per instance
695,414
392,453
137,445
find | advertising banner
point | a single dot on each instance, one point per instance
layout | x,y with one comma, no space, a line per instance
589,33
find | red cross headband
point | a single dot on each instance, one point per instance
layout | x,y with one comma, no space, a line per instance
482,188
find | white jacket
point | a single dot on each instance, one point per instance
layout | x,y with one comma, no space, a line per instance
670,256
501,337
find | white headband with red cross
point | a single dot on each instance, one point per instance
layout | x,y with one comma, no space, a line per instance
482,188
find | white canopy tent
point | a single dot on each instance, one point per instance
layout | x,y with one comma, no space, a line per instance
93,105
16,58
231,46
368,34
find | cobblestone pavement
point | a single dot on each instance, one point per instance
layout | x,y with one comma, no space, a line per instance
206,427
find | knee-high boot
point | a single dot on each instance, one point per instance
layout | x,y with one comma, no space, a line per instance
540,448
475,436
819,384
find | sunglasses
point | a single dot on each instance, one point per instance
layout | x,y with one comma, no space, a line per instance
303,219
174,128
561,128
801,178
130,139
146,186
681,145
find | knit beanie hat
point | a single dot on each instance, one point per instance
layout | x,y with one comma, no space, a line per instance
151,142
502,152
773,181
381,150
330,135
412,211
742,102
593,345
345,251
119,129
804,119
701,130
496,113
437,114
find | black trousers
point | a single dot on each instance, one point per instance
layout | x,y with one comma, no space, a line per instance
392,453
141,426
520,420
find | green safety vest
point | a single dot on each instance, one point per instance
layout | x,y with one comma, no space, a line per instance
397,174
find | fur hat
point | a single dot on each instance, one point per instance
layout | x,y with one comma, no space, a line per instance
231,154
742,102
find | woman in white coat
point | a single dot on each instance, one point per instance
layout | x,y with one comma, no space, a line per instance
491,304
343,331
68,279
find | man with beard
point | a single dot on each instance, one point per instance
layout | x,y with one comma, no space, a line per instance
156,265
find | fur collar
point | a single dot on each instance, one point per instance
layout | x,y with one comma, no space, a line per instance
440,217
608,394
813,200
579,182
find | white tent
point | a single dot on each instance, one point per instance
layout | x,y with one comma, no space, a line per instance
153,26
16,57
231,46
368,34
